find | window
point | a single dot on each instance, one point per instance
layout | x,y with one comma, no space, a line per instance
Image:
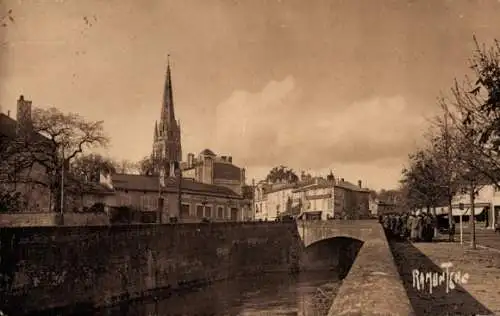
208,211
220,212
234,214
185,210
149,203
161,204
330,204
199,211
124,200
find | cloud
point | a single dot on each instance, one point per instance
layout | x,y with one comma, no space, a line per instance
278,126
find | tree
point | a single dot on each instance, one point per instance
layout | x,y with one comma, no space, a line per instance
145,166
423,181
69,136
474,110
124,166
88,166
282,174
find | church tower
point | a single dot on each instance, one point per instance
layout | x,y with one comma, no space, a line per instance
167,153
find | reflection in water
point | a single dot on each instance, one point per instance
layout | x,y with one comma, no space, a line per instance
268,294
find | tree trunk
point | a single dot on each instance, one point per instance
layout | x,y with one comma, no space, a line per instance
450,217
472,206
434,222
56,192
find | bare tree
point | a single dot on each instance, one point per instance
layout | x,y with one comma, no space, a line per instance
66,137
474,111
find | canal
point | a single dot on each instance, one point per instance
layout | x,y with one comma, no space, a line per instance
308,293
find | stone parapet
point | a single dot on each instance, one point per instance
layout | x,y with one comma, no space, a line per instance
373,285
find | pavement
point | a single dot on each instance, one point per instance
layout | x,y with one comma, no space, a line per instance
480,295
484,237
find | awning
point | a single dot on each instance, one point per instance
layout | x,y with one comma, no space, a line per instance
458,212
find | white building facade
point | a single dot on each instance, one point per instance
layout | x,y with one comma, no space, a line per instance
317,198
487,203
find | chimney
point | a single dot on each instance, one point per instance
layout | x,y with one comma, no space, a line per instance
8,113
359,184
190,160
230,159
242,176
23,115
341,179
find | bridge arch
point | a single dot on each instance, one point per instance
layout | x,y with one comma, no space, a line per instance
335,253
314,231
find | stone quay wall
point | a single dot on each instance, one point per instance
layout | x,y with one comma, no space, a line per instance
52,219
83,267
373,285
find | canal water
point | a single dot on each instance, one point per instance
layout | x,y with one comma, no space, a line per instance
309,293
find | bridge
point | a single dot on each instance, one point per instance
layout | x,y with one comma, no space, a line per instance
315,231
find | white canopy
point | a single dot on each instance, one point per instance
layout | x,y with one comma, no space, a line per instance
459,212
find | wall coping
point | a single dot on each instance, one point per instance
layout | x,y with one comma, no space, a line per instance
373,285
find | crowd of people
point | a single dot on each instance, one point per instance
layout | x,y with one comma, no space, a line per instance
409,226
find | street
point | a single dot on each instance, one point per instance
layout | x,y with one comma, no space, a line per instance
484,237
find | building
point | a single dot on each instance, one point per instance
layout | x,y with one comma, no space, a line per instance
19,173
387,207
167,150
311,198
278,201
210,186
373,206
28,177
212,169
260,200
487,205
199,200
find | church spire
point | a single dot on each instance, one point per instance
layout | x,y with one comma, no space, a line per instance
168,114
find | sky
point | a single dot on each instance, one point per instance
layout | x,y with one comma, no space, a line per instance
346,86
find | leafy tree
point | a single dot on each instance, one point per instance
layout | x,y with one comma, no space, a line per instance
146,166
423,181
88,166
124,166
282,174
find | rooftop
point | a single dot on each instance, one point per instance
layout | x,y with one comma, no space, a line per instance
151,183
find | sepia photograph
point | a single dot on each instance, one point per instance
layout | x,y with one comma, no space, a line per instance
250,157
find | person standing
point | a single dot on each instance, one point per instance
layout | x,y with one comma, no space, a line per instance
429,229
420,227
414,228
452,230
486,218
